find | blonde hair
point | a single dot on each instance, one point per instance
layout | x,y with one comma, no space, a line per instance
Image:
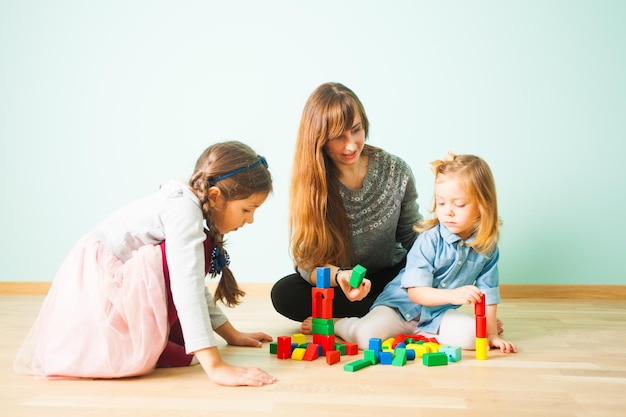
226,160
319,227
476,178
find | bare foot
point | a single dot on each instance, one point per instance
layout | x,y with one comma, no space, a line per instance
307,326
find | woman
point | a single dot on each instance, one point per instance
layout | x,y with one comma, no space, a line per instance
351,203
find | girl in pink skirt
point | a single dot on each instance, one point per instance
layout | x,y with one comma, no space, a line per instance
131,295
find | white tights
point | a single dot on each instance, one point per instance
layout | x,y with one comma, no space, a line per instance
456,329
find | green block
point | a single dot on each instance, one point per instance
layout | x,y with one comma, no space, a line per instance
357,365
370,355
341,348
358,273
435,359
273,348
399,357
323,326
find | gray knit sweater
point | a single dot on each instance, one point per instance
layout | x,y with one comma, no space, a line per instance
382,213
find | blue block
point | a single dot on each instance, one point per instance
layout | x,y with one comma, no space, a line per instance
410,355
386,357
454,352
322,277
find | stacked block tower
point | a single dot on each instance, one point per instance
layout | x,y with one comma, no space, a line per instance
322,311
323,327
481,329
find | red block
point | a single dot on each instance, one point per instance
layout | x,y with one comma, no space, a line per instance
400,338
479,308
322,302
283,348
326,341
351,348
481,326
311,353
333,356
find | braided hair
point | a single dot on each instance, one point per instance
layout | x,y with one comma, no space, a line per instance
220,165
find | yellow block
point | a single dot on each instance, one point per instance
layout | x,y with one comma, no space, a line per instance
434,347
481,348
388,343
419,349
298,354
299,338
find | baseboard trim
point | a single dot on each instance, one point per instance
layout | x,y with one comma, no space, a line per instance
565,291
507,291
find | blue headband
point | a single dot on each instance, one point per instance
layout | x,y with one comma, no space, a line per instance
238,170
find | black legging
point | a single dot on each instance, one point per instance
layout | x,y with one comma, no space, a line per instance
291,295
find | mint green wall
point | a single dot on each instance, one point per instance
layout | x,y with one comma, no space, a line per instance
100,101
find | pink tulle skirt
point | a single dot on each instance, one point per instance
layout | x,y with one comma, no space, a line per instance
102,318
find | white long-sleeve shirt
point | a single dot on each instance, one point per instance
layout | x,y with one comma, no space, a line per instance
172,214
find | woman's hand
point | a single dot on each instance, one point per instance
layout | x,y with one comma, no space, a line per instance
353,294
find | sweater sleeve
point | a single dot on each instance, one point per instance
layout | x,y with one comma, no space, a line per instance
184,233
409,212
215,312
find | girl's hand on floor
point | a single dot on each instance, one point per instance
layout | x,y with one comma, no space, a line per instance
503,345
255,339
232,375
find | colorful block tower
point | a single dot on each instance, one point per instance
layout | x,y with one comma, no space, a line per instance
481,329
322,301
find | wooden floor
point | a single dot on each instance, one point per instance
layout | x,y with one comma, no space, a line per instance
571,362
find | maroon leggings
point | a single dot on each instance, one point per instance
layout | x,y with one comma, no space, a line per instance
174,353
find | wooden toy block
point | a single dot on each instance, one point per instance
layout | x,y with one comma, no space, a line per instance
322,276
283,347
479,308
351,348
323,326
298,338
419,348
333,356
273,348
376,344
410,354
386,357
400,338
432,346
326,341
298,354
481,326
341,347
356,365
311,353
389,343
322,302
419,337
356,278
399,357
454,352
435,359
371,356
481,348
